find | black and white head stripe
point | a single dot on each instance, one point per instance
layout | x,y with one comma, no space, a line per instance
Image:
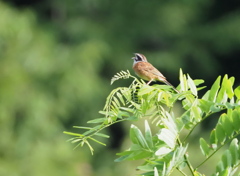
140,57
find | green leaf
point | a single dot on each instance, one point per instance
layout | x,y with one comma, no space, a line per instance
226,124
220,166
137,137
229,88
227,159
236,120
145,89
205,105
102,135
183,81
213,137
191,85
155,172
73,134
196,114
120,98
168,137
237,92
225,89
198,81
234,148
204,147
133,155
214,90
116,101
220,134
148,135
98,120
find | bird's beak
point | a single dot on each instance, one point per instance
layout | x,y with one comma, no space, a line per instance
133,58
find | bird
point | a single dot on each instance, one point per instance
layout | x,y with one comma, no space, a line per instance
147,71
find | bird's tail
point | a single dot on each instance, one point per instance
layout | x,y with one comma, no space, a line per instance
168,83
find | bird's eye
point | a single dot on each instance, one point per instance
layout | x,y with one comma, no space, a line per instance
138,57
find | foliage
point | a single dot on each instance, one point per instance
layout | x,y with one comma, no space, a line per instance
166,150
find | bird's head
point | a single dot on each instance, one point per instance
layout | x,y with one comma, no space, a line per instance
139,58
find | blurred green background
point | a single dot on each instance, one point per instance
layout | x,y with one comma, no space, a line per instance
57,59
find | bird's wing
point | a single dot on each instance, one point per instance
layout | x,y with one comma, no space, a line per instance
150,68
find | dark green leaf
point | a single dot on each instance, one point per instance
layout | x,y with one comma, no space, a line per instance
236,120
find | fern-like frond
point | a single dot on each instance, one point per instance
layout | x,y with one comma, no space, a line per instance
120,75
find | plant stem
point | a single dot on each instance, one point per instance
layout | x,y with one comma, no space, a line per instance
186,159
181,172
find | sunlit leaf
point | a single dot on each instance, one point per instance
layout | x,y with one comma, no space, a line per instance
192,86
204,147
148,135
137,137
237,92
214,90
234,150
220,133
226,124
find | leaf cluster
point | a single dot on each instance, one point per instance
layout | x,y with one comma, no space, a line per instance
166,150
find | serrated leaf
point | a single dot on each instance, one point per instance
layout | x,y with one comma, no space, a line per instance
204,147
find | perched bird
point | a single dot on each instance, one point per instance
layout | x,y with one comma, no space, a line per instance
147,71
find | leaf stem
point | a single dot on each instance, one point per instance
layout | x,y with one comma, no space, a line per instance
186,159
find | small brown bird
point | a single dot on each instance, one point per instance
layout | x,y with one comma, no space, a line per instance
147,71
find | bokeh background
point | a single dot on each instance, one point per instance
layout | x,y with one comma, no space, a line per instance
57,59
